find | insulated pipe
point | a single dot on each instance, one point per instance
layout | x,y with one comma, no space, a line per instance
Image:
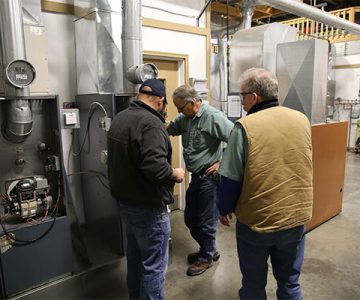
132,47
247,14
310,12
19,116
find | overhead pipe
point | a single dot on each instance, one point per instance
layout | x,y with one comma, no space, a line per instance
247,14
310,12
19,117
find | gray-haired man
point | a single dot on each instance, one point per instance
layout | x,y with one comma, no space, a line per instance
202,128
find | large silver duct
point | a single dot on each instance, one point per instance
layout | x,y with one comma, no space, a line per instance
19,116
300,9
132,46
108,45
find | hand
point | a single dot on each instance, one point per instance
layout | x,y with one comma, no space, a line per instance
178,175
225,220
213,169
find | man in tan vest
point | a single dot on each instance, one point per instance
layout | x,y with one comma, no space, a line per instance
266,181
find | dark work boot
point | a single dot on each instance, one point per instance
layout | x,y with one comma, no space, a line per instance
193,257
198,268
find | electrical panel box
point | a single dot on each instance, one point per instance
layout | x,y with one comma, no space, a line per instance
69,118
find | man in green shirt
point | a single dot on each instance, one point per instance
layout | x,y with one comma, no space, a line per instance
202,128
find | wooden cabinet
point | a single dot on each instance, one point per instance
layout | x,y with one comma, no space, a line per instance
329,155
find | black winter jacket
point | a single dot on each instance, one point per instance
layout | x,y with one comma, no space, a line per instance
139,158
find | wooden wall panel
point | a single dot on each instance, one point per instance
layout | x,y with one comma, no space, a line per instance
329,154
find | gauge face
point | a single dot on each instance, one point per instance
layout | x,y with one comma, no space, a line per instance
148,71
20,73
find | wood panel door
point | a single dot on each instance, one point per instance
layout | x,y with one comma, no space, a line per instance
169,74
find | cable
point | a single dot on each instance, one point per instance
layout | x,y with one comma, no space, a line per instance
99,104
170,12
93,172
90,114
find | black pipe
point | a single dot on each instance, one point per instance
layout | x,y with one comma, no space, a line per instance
202,11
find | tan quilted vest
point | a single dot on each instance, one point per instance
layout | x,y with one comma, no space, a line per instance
277,191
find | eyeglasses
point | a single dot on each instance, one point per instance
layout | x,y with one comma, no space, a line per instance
182,107
247,93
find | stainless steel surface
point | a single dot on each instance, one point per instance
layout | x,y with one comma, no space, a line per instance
12,39
84,7
32,14
99,60
132,46
256,47
302,69
12,48
19,121
301,9
108,43
247,13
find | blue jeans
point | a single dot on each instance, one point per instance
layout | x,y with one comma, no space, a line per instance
286,251
201,214
147,233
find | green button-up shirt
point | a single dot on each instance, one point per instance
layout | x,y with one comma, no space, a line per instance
235,156
202,136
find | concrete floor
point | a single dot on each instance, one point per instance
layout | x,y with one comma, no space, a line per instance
331,268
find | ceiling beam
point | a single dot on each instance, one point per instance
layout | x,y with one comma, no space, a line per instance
260,11
221,9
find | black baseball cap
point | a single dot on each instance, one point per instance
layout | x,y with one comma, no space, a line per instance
155,87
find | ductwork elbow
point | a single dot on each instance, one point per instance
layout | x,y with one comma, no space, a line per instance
18,125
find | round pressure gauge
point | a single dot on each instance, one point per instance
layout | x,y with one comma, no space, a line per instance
20,73
139,73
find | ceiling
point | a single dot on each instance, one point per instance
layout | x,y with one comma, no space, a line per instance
228,12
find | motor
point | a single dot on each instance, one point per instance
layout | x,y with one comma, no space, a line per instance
27,197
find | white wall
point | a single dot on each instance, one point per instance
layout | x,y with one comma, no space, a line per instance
177,42
347,79
347,87
182,12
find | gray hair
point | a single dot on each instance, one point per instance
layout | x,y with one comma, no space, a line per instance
185,93
261,82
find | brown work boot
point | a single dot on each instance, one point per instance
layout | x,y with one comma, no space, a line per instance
193,257
198,268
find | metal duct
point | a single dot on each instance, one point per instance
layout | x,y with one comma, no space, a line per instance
300,9
108,44
132,47
19,116
247,14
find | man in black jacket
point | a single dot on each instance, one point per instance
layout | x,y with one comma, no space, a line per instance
141,179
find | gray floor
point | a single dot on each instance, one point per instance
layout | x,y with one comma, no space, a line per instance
331,268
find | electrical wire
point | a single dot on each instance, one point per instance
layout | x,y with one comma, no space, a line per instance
93,172
99,104
87,135
168,11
